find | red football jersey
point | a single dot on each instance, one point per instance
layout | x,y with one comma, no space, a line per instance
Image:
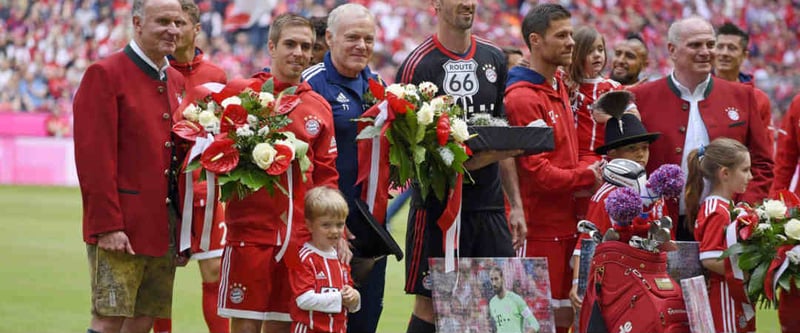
316,304
730,307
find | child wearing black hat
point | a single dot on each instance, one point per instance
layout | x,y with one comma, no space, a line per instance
627,147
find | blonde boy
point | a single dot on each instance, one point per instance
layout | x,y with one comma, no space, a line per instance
321,285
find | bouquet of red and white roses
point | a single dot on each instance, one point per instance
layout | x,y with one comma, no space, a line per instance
767,246
426,135
239,136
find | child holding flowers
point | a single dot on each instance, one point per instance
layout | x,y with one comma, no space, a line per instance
723,166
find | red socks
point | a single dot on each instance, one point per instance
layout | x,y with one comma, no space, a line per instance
162,325
216,324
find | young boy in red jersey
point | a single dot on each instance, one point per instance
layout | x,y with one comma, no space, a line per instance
626,138
321,287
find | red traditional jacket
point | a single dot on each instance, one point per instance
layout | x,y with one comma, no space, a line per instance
728,110
123,149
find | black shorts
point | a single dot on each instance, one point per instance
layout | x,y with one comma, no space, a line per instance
483,234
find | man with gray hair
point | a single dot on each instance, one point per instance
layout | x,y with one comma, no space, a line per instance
690,107
123,114
342,78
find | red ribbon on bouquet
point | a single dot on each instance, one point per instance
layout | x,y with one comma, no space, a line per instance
373,162
450,223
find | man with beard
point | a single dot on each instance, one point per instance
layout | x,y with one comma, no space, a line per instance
630,59
255,289
342,78
691,108
551,181
473,71
508,311
731,52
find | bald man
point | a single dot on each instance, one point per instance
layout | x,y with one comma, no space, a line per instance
690,107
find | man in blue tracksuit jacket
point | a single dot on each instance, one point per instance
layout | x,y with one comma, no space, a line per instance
342,79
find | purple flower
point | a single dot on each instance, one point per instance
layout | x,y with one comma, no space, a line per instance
623,205
667,181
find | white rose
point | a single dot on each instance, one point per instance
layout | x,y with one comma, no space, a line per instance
794,255
265,98
775,208
396,89
264,155
207,119
425,114
191,112
792,229
459,130
231,100
428,89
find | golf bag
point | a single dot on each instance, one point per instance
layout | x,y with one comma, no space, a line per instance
629,291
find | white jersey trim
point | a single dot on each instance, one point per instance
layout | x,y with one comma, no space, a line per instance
255,315
206,255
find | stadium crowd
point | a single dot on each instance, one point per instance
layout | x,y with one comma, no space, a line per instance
46,45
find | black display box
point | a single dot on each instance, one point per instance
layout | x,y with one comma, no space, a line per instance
533,140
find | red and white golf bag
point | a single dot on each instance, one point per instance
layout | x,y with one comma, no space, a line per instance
629,291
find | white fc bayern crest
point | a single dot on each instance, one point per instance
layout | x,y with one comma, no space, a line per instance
491,73
733,113
237,293
312,125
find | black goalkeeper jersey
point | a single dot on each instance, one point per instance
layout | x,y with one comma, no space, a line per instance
477,79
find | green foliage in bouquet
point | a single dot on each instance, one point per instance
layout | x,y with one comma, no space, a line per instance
426,136
767,248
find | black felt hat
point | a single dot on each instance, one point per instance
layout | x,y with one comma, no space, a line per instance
623,128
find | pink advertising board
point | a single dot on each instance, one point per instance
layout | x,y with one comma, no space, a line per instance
37,161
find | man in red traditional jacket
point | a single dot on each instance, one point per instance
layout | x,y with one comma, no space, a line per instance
126,158
690,108
189,61
550,181
263,229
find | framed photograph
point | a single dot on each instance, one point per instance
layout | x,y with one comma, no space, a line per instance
502,295
695,294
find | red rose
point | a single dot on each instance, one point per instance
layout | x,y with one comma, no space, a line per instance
220,156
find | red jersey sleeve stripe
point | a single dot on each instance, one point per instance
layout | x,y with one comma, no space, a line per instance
413,59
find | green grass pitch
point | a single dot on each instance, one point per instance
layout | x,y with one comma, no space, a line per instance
44,285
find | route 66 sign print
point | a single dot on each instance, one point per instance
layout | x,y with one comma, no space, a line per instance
460,77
